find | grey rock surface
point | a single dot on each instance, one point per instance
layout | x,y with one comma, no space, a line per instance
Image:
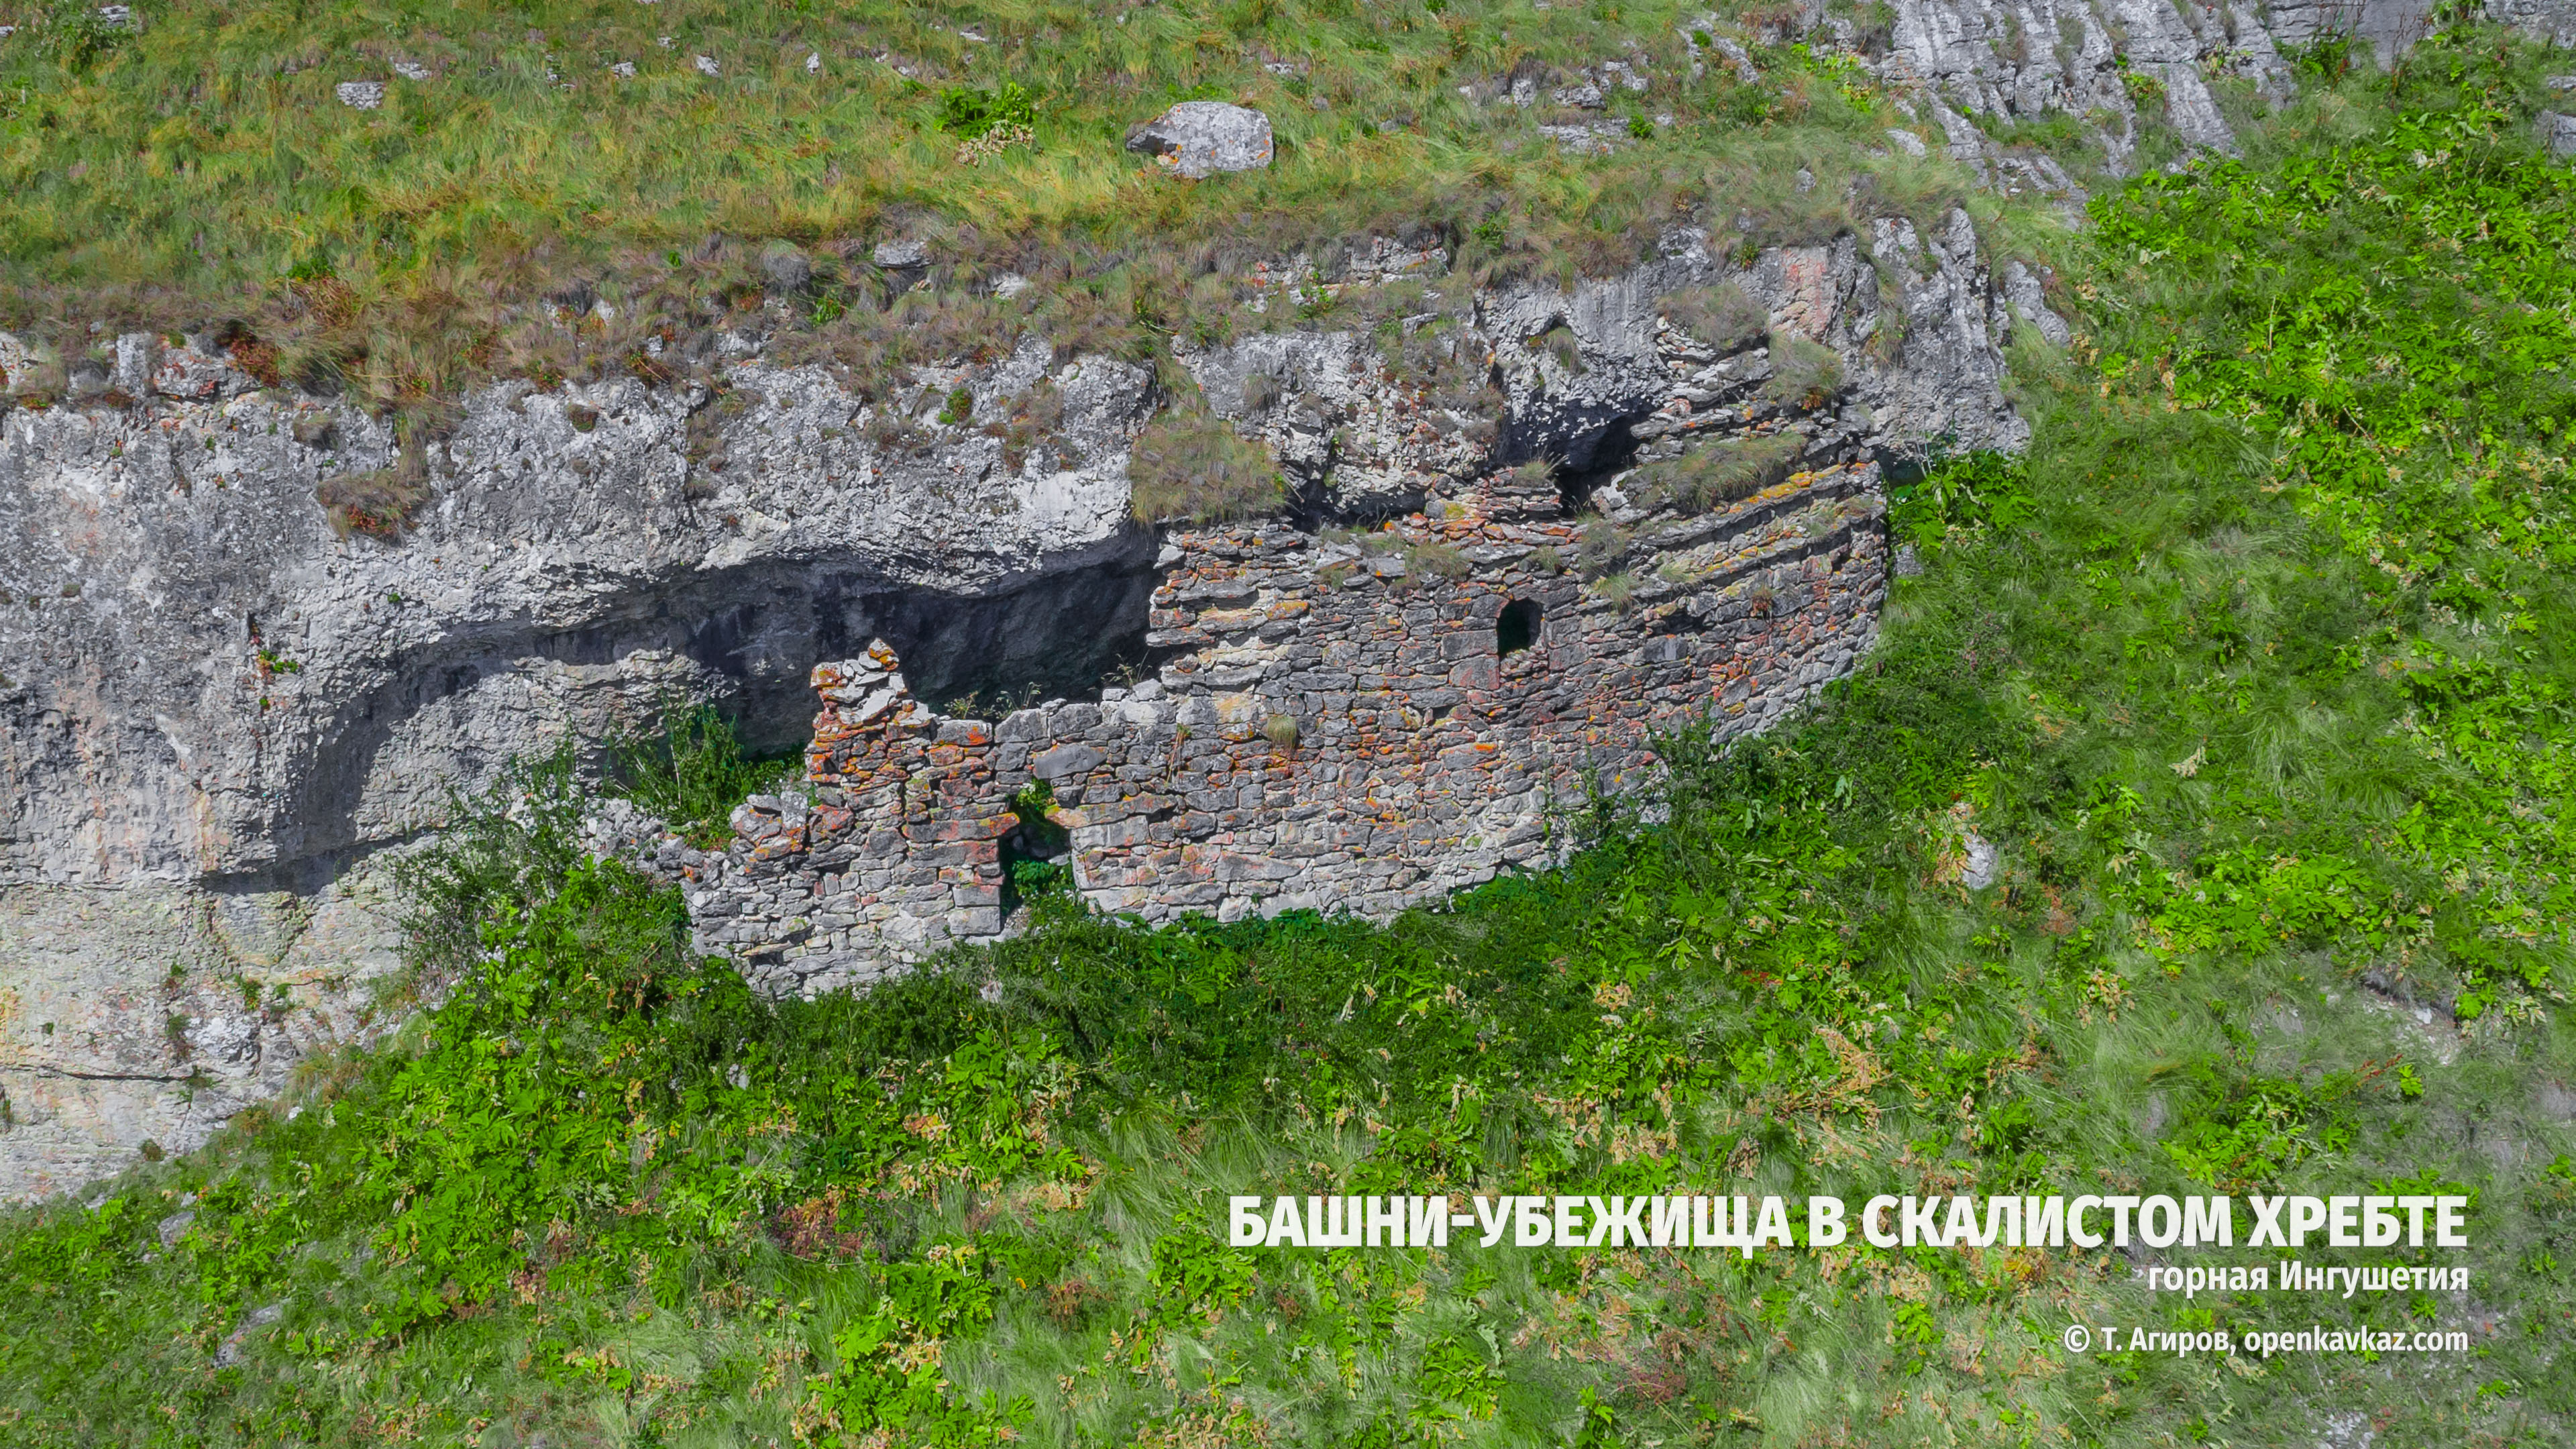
2558,134
229,1352
188,637
2391,26
2106,61
1983,862
1579,376
216,712
2024,291
1201,138
152,1012
900,254
786,269
2000,62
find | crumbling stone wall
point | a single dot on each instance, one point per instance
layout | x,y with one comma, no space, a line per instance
1338,728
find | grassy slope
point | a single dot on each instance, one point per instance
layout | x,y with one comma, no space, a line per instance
203,172
2254,669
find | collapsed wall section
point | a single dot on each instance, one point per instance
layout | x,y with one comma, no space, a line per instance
1345,725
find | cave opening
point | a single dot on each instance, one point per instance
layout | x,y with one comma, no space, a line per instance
1066,636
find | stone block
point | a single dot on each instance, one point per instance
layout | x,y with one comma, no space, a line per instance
1067,761
1025,726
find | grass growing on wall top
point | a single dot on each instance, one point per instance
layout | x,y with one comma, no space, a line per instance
2250,668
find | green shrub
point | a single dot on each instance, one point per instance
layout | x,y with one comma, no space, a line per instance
693,772
75,35
1189,466
967,112
503,849
2328,57
1966,495
2241,1133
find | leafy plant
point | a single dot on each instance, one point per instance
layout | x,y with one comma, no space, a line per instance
967,112
1967,495
2247,1131
693,772
76,35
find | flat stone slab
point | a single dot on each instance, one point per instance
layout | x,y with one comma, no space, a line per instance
1201,138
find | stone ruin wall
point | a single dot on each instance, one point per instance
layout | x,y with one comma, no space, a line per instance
1423,759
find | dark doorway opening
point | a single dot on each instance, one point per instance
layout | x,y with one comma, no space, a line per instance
1517,629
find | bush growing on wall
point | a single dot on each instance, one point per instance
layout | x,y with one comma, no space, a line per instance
693,772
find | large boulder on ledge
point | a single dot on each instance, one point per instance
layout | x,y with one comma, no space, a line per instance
1200,138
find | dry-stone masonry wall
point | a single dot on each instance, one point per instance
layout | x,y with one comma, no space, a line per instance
1347,733
1345,721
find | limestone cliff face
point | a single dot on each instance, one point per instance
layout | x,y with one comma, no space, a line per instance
1986,64
220,708
1572,375
207,681
215,708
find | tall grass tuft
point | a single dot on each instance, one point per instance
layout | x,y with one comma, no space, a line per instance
1191,466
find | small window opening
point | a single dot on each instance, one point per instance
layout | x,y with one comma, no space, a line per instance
1517,629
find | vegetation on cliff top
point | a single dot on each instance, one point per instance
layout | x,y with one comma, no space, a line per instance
197,168
2254,667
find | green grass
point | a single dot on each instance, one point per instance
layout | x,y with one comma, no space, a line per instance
2252,667
200,172
692,773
